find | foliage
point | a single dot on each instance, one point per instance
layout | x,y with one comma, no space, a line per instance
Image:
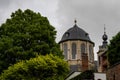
88,74
25,35
114,50
47,67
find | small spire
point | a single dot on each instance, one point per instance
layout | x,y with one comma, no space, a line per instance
75,21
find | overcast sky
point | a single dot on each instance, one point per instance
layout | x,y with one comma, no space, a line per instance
91,15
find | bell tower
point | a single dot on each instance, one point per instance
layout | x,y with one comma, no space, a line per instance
102,53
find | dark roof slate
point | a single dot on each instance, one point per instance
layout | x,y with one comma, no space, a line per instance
75,33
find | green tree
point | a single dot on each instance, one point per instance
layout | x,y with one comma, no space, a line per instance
47,67
25,35
114,50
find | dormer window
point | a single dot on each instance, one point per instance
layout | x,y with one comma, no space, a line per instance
86,34
67,34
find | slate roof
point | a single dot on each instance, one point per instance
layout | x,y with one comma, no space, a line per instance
75,33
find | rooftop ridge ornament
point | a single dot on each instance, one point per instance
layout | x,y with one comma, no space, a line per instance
75,21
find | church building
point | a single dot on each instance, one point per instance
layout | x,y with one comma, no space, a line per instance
102,54
78,49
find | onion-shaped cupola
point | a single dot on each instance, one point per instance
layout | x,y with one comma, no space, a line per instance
104,37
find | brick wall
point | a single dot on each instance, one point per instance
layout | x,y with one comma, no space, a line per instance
84,62
113,73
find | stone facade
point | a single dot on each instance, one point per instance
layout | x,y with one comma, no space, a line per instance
82,61
102,60
113,73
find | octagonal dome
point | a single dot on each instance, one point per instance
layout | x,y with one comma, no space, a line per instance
75,33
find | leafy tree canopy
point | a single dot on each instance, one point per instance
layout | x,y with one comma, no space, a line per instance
25,35
47,67
114,50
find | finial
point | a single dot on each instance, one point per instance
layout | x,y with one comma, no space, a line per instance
75,21
104,29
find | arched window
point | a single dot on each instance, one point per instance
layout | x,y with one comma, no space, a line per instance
82,48
65,51
90,52
73,50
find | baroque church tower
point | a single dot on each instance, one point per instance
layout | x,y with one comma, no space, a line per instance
77,49
102,54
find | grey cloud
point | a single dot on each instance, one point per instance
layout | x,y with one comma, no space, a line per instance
91,15
46,8
4,3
